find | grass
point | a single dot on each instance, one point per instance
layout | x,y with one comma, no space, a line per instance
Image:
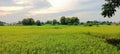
58,39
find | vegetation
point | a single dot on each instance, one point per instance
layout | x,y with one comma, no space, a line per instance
2,23
60,39
64,38
109,8
63,21
54,22
48,22
97,23
38,23
69,21
28,21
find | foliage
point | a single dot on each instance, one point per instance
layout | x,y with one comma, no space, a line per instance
62,20
109,8
48,22
28,21
38,23
91,23
54,22
75,20
2,23
69,21
106,22
97,23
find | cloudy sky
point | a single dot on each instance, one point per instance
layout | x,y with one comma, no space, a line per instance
16,10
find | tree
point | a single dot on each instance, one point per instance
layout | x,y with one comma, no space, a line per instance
103,22
2,23
28,21
109,8
19,22
48,22
75,20
108,23
69,20
62,20
54,22
96,23
42,23
89,23
38,23
82,23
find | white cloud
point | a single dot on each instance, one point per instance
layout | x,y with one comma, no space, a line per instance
11,8
5,10
23,1
27,2
4,13
49,9
58,6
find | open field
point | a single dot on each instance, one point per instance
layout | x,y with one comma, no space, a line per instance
60,39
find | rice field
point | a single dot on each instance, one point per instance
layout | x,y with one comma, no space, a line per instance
60,39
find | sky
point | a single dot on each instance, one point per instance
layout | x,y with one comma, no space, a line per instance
43,10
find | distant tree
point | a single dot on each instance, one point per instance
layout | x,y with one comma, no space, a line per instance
54,22
31,21
96,23
108,23
103,22
68,21
38,23
19,22
75,20
89,23
42,23
62,20
28,21
109,8
2,23
82,23
48,22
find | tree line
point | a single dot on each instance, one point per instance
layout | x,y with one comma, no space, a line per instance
2,23
65,21
62,21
